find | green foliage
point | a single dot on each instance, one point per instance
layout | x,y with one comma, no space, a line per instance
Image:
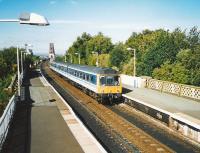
172,72
104,60
118,55
163,54
85,45
60,58
8,61
78,47
128,68
99,43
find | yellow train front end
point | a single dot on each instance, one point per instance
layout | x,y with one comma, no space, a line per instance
109,86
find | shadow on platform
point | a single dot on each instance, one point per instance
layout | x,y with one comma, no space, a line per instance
19,135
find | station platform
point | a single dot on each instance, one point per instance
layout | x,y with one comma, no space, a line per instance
44,123
180,113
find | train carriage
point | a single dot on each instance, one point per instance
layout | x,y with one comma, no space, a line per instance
100,83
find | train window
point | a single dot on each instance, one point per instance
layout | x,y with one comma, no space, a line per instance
81,75
93,79
116,80
112,80
109,81
102,81
87,77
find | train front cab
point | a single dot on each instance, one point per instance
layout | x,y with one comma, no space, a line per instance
109,86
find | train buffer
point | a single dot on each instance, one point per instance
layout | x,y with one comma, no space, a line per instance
44,123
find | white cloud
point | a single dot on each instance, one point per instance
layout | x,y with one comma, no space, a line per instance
52,2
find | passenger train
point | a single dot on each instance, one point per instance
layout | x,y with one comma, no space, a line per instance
100,83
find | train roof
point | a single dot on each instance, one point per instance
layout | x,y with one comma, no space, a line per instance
91,69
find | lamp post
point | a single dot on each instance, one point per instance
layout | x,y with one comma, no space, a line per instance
97,62
65,58
79,58
18,72
134,67
22,67
71,57
29,19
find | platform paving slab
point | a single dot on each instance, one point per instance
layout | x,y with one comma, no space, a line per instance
38,126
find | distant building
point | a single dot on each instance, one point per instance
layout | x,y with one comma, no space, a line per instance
51,52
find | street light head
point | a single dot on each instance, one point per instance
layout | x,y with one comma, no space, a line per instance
33,19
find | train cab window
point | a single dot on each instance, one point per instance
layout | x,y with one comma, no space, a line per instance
112,80
103,81
109,81
116,80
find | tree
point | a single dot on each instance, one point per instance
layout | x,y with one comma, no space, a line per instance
118,55
128,68
172,72
163,50
191,60
60,58
3,68
79,46
194,37
99,43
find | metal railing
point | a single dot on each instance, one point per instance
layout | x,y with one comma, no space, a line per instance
6,118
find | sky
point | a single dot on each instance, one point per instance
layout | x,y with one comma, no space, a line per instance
68,19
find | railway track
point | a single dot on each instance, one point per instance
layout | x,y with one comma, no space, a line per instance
157,130
123,132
